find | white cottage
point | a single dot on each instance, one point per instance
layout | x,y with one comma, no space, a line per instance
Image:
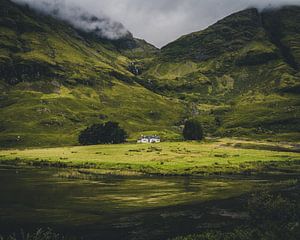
149,139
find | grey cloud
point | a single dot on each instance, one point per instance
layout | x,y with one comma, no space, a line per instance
161,21
79,17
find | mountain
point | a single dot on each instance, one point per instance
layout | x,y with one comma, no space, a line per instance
239,77
241,74
56,80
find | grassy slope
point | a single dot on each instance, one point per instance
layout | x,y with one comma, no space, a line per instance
55,81
234,76
222,157
238,76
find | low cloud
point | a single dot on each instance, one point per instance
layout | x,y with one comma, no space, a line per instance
157,21
79,17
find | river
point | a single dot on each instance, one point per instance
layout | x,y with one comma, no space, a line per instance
116,207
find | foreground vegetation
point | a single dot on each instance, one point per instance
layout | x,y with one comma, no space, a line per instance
225,156
267,215
208,208
270,217
40,234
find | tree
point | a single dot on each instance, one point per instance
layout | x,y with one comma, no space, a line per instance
193,130
109,132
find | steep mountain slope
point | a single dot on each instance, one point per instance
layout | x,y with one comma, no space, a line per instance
240,77
56,80
241,74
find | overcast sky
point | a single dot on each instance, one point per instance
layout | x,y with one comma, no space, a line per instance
162,21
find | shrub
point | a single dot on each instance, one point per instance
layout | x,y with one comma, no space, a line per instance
264,207
193,130
40,234
271,217
109,132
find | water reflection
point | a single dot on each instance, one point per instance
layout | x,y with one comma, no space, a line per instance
134,208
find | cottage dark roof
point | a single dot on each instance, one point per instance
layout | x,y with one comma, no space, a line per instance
151,137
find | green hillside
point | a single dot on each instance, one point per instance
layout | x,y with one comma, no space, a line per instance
55,81
241,74
240,77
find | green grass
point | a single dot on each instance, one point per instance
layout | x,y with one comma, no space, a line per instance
41,118
235,63
63,84
56,81
221,157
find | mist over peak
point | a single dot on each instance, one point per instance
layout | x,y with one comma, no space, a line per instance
80,18
157,21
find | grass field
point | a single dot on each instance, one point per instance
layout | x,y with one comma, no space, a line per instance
224,156
111,183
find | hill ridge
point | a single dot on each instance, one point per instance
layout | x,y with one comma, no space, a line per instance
56,81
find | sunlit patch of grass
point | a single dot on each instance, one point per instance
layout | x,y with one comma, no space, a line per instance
178,158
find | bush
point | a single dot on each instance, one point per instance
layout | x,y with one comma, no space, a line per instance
109,132
236,234
40,234
193,130
274,216
271,217
264,207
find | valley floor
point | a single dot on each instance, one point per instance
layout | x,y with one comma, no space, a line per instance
217,157
227,188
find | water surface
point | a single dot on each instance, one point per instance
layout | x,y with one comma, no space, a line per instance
112,207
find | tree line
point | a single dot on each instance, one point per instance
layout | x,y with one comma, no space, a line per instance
112,133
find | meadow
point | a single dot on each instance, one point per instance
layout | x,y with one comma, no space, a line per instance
215,157
141,187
